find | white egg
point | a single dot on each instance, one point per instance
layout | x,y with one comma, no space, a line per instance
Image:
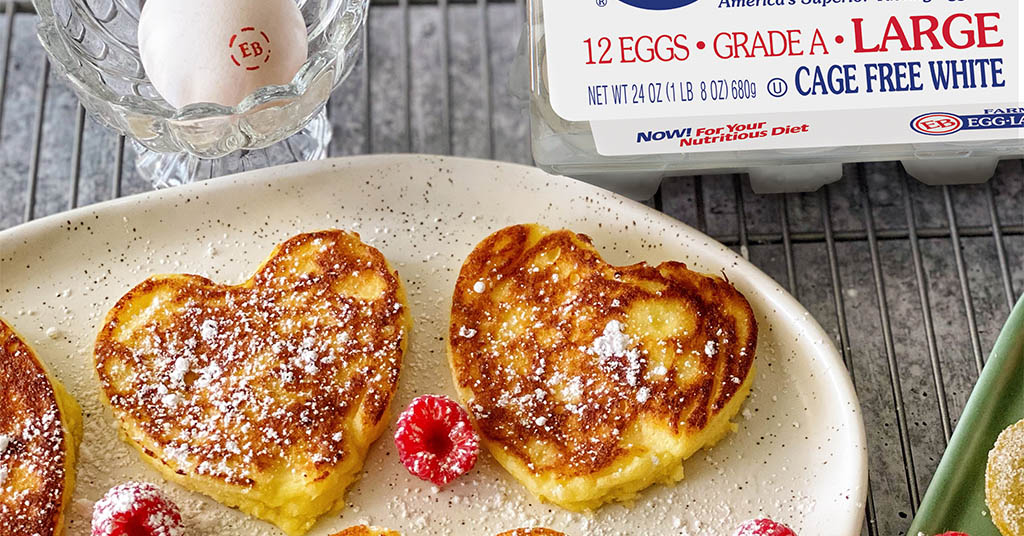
220,51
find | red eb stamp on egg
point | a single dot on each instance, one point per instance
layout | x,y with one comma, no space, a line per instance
250,48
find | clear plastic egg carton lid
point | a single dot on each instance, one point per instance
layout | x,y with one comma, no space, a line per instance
655,88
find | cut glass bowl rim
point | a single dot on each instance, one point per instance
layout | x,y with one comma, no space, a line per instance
103,101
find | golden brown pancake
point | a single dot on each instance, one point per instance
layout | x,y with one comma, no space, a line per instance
363,530
265,395
589,382
40,429
532,532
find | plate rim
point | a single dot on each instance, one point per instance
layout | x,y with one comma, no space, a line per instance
841,382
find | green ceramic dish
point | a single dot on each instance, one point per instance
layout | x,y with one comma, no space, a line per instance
956,496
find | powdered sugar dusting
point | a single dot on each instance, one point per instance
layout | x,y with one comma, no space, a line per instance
208,331
235,379
614,343
573,389
180,368
32,441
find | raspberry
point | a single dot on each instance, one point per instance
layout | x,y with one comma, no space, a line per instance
954,533
764,527
435,439
136,509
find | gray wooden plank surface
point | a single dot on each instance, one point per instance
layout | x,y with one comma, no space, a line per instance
442,87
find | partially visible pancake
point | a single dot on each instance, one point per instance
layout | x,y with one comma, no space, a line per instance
40,429
266,395
590,382
363,530
1004,481
532,532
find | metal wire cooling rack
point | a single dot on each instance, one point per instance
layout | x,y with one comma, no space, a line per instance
913,282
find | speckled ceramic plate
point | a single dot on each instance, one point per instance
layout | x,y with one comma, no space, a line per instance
799,455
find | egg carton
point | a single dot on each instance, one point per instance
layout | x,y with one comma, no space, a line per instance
569,148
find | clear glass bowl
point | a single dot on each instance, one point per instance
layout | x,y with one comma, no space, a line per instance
93,44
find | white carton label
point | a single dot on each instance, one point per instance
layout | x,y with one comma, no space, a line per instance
663,76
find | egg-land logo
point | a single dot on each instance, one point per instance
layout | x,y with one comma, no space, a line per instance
937,124
658,4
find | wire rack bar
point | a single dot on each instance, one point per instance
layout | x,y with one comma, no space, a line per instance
9,10
76,158
118,178
741,217
406,73
37,136
366,94
733,239
446,84
997,234
787,246
844,334
698,196
961,272
890,349
486,78
926,308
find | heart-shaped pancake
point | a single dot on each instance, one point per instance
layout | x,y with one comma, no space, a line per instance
40,429
265,395
589,382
